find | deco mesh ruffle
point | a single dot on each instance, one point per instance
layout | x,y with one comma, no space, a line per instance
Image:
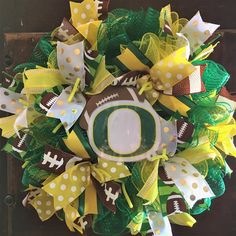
120,121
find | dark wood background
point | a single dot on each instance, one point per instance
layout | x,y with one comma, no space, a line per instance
17,16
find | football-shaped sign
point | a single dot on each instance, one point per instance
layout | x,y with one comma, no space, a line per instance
122,125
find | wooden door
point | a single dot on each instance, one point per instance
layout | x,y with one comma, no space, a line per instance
41,16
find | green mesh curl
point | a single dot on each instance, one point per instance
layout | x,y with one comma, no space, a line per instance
34,176
212,114
24,66
39,56
215,178
52,59
123,26
201,207
214,78
42,51
42,132
106,223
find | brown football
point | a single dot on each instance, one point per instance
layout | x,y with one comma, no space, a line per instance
162,174
55,160
110,94
185,131
8,82
175,204
20,142
47,101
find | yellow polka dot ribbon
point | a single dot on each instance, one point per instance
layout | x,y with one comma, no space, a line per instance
43,203
85,19
163,75
171,70
84,12
61,192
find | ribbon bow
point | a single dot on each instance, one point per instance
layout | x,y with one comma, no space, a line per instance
63,190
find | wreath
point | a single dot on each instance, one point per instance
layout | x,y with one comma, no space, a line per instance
120,121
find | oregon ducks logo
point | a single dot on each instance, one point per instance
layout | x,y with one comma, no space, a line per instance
124,131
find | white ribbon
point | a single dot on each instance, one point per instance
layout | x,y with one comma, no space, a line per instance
67,112
160,225
71,62
188,180
10,101
197,31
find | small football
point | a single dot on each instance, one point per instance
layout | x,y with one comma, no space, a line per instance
162,174
47,101
7,82
55,160
20,142
175,204
185,131
102,6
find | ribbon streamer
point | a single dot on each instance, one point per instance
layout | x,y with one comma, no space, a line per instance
188,180
197,31
71,62
67,112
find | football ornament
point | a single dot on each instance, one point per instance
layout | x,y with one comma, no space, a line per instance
121,123
123,126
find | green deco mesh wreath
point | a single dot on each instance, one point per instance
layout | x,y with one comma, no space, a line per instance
121,124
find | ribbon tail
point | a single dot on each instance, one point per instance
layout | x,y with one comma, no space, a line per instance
149,190
71,214
183,219
160,225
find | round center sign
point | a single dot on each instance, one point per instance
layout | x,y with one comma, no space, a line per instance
124,131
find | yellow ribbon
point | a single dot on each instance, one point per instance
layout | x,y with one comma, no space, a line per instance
84,17
183,219
62,191
172,18
149,174
38,80
102,80
199,153
225,133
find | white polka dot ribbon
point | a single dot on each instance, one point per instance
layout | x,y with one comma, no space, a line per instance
10,101
17,104
71,62
168,137
160,225
189,181
72,183
67,112
197,31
